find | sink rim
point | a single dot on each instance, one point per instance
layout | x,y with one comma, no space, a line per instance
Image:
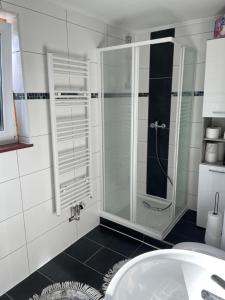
188,256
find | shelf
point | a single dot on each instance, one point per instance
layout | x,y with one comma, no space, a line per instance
216,164
13,147
215,140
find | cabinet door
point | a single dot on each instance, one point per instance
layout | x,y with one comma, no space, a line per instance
214,90
211,180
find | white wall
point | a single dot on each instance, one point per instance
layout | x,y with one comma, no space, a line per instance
195,34
30,233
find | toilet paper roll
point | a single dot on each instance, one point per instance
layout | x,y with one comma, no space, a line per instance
223,233
213,132
214,229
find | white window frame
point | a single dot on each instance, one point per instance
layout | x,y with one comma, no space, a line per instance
8,134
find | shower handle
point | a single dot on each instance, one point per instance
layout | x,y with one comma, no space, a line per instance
157,126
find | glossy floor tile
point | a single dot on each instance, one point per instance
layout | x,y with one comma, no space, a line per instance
90,258
34,284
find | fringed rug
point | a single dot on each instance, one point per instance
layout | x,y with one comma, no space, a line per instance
111,273
68,291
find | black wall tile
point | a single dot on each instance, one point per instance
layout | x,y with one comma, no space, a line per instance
160,89
157,182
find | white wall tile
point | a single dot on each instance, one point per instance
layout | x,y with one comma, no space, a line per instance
89,219
13,269
50,244
85,21
195,28
197,109
143,108
142,130
94,77
193,183
141,171
88,43
196,135
10,203
194,159
12,235
9,167
36,188
18,82
42,218
43,35
39,117
95,139
23,120
199,77
96,165
35,72
95,112
35,158
43,6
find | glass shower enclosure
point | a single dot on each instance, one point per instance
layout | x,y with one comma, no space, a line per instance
145,159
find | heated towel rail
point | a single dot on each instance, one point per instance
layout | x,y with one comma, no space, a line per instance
71,138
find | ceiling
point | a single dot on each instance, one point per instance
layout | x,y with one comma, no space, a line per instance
140,14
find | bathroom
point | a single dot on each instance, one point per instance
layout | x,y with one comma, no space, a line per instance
132,165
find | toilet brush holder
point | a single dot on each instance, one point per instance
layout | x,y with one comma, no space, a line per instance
214,225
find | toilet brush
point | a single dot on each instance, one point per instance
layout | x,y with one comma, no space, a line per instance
214,225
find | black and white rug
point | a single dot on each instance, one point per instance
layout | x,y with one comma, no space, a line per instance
70,290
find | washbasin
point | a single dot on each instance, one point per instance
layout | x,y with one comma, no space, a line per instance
169,275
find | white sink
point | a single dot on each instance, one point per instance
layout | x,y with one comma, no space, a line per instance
167,275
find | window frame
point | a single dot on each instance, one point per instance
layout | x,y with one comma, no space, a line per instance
8,134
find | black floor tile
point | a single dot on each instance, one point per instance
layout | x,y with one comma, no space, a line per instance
103,260
190,216
122,244
186,231
113,240
4,297
83,249
34,284
100,235
156,243
141,250
64,268
176,238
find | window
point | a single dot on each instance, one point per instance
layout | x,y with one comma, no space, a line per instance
7,116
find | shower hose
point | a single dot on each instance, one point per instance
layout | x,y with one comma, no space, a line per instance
164,173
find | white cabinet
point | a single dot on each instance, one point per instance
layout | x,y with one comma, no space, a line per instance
214,90
211,180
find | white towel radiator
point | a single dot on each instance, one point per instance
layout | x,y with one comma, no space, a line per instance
71,133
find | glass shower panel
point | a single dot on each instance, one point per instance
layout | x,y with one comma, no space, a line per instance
185,130
117,111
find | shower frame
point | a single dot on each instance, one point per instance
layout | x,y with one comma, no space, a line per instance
134,135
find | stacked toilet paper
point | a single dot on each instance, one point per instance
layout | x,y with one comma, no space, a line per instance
214,229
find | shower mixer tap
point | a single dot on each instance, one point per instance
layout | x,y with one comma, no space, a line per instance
157,126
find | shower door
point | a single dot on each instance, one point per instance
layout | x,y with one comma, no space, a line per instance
116,87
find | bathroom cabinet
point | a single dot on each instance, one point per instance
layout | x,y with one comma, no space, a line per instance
211,180
214,89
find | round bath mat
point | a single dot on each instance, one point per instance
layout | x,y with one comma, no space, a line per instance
111,273
68,291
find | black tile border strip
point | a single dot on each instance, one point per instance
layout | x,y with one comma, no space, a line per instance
42,96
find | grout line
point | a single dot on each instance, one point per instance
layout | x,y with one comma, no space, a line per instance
9,296
134,251
77,260
101,248
24,223
45,276
107,247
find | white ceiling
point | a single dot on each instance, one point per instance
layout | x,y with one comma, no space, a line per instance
140,14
